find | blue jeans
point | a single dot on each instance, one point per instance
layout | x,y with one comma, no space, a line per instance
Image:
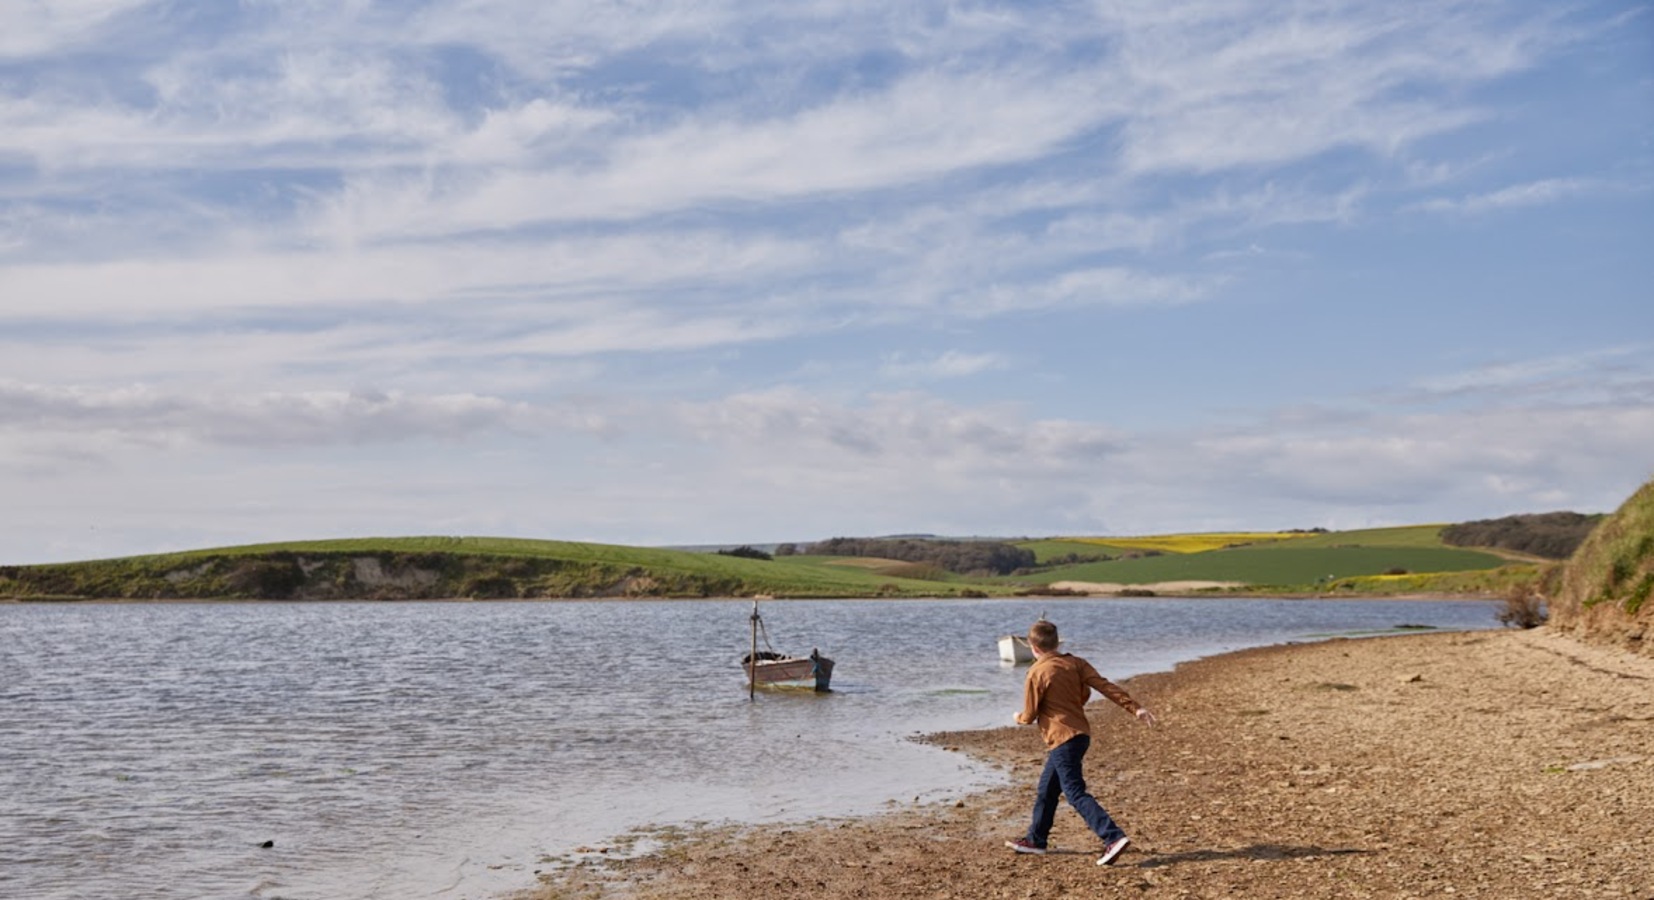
1063,777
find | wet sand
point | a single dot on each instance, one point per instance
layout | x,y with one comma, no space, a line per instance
1486,764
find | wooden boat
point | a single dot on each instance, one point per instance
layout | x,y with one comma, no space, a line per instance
778,671
767,668
1013,648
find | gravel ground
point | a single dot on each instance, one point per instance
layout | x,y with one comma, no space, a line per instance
1485,764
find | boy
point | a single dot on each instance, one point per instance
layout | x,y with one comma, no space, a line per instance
1054,695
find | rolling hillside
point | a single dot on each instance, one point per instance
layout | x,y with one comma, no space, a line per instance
450,567
1282,559
1376,561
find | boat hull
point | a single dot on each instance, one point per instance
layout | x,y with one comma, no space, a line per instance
813,672
1013,648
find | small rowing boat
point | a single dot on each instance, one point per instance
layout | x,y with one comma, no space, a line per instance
777,671
767,668
1013,648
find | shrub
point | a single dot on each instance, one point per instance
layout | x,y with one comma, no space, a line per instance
1524,607
1634,601
963,557
746,552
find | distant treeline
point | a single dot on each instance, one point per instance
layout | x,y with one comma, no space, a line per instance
746,552
1551,535
964,557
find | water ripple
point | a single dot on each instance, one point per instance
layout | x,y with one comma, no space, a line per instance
408,750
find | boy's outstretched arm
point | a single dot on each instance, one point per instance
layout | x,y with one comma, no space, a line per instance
1119,696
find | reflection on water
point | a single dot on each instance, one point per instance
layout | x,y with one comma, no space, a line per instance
443,749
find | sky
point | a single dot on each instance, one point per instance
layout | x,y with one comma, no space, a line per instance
710,272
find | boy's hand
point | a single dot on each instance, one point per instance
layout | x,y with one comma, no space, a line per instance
1146,717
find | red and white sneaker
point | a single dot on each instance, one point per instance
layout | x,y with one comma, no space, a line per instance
1023,845
1113,850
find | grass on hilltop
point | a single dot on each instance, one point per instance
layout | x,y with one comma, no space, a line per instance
1373,561
1199,542
1296,560
443,567
1269,566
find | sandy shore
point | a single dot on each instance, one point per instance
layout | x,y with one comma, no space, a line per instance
1488,764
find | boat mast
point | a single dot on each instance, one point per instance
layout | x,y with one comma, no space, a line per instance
752,659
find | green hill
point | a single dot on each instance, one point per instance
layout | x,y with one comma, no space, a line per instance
448,567
1602,592
1299,562
1374,561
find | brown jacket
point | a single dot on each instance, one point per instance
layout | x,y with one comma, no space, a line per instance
1054,694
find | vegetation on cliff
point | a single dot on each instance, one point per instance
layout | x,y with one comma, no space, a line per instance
1602,593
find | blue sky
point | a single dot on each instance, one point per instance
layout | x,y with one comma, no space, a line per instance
719,272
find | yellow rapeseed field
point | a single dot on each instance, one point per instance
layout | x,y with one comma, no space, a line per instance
1192,543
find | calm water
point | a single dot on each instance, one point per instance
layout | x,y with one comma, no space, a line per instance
444,749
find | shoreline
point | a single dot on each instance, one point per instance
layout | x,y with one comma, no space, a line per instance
1190,594
1403,766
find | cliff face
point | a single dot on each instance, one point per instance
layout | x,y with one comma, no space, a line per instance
1603,592
284,575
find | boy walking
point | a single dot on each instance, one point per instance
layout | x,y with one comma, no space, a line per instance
1054,695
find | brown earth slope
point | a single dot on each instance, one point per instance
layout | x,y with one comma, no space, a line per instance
1491,764
1606,591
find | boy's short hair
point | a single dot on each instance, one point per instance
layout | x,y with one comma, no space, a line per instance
1042,635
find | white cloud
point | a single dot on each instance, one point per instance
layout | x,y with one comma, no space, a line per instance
905,430
950,364
1224,85
1533,193
1108,286
148,416
43,27
548,37
785,463
923,127
910,461
322,111
1607,375
566,269
355,231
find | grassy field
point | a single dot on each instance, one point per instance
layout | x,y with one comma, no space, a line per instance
441,567
1284,559
1404,536
1274,566
481,567
1198,542
1481,582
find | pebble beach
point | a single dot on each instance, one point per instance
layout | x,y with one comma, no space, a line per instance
1498,764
